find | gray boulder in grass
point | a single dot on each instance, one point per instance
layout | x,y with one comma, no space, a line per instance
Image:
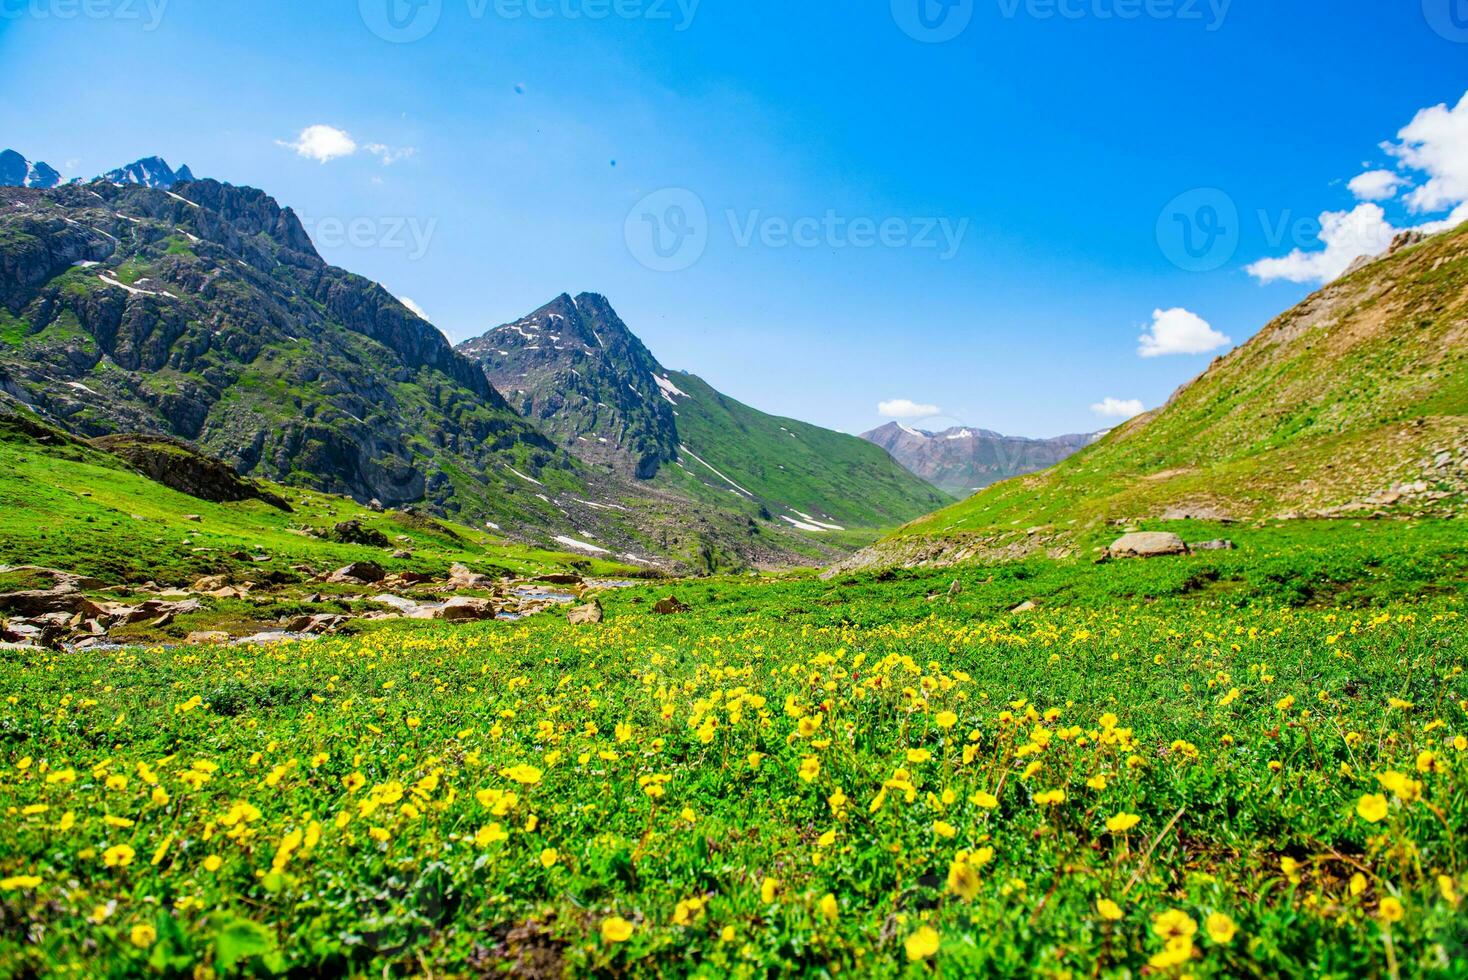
1147,544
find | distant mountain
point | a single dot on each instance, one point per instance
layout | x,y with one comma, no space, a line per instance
576,370
17,171
149,172
961,461
1353,404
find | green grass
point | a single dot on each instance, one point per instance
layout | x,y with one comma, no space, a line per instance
838,479
341,807
71,507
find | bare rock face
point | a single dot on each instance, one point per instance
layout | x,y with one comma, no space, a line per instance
1148,544
587,614
671,606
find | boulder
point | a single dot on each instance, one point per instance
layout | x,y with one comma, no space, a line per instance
670,606
353,532
461,608
358,572
1148,544
560,578
1219,545
589,613
460,577
210,583
1023,607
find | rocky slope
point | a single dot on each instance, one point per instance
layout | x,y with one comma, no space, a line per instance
1352,404
576,370
963,460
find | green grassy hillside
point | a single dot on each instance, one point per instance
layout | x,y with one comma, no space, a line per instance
72,507
1354,403
801,472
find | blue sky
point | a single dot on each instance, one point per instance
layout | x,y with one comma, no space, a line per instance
503,158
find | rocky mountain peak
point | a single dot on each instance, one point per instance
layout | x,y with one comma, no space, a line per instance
17,171
149,172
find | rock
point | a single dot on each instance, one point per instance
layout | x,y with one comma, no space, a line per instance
353,532
1024,607
670,606
1148,544
396,602
317,624
64,596
956,588
462,608
210,583
589,613
460,577
401,555
1219,545
560,578
193,518
358,572
206,638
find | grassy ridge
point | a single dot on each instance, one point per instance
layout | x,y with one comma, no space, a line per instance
1357,388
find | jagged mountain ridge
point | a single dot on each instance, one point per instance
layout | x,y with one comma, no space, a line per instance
578,371
17,171
574,368
212,318
963,460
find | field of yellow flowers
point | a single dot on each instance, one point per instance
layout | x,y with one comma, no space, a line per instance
786,780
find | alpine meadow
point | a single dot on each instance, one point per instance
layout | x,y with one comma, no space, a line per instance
342,638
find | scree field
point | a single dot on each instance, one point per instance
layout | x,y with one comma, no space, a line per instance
1191,766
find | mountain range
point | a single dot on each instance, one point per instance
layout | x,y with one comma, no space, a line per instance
203,312
17,171
963,460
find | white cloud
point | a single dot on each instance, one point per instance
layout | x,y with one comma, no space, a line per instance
390,155
902,408
1347,235
1178,331
1376,185
417,310
1436,143
322,143
1118,408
